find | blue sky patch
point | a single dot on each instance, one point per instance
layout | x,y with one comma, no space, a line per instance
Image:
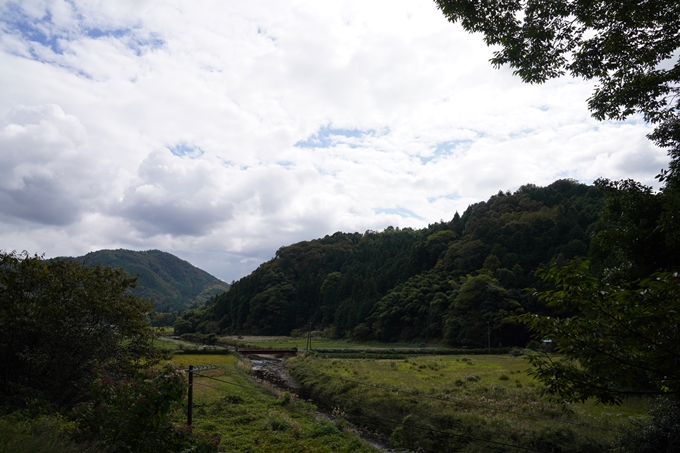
327,136
522,133
44,32
30,29
451,196
286,164
443,149
99,33
402,212
185,150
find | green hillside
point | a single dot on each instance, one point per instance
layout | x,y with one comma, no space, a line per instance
450,282
172,283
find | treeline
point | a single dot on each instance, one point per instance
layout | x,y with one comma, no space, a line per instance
452,281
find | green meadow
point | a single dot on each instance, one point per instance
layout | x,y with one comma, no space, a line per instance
459,403
445,403
301,343
252,417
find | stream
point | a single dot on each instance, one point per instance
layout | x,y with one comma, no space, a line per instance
272,371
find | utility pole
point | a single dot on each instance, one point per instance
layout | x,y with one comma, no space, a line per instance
309,337
191,393
488,327
190,396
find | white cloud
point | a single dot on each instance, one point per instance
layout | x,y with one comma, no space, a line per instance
221,131
42,177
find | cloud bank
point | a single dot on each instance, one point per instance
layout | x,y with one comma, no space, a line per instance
220,131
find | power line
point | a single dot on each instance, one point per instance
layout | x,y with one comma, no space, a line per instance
227,382
208,386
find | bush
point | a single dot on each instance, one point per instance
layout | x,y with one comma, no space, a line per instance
659,434
44,434
132,414
535,345
59,318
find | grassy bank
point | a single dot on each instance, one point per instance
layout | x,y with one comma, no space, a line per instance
250,417
457,403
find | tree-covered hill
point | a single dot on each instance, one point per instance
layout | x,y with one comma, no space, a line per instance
450,281
172,283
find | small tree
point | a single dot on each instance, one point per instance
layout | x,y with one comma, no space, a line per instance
620,341
59,319
132,414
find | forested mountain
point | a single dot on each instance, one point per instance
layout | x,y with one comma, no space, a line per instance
172,283
450,281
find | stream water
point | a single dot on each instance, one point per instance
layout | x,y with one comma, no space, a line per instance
272,371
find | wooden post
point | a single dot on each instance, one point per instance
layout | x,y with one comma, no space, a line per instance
309,337
191,393
488,326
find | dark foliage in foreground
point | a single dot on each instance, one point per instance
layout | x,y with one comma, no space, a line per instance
76,346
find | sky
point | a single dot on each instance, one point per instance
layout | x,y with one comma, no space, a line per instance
220,131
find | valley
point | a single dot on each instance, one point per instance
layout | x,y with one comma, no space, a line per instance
420,403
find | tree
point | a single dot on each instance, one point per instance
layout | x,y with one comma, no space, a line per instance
61,319
660,433
619,340
637,233
627,46
132,414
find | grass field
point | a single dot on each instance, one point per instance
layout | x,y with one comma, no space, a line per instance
458,403
300,343
251,417
434,403
166,344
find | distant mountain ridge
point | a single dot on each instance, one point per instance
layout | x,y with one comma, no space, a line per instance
172,283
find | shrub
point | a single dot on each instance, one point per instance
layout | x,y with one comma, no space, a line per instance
659,434
43,434
132,414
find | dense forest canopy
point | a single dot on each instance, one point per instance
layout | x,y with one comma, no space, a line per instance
450,281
